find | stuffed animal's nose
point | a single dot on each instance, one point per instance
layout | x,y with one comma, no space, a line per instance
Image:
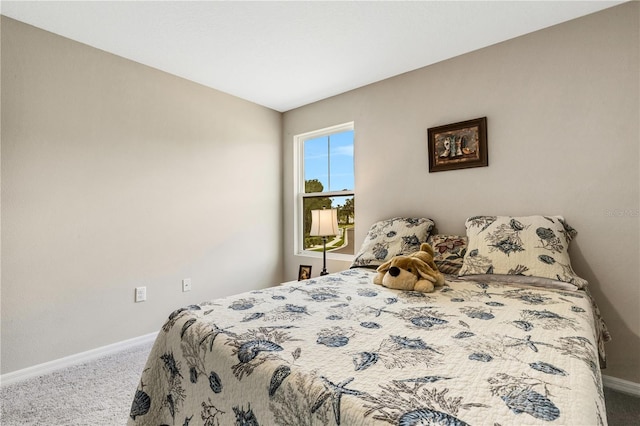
394,271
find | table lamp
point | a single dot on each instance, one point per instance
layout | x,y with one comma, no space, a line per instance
324,223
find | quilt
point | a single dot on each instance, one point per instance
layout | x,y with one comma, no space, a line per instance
341,350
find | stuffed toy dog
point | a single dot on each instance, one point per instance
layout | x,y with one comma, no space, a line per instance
416,271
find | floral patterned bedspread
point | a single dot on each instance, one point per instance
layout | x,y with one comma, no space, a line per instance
341,350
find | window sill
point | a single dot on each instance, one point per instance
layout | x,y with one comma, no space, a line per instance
330,256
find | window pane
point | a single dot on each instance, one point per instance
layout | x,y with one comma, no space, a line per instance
341,161
342,243
328,163
316,164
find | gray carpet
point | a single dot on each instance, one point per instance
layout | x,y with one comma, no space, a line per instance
622,409
99,393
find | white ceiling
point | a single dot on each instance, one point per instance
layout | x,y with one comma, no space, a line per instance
287,54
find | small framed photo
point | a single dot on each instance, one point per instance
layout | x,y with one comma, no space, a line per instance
458,146
304,272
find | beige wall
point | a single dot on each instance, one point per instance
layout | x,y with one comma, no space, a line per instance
116,175
562,106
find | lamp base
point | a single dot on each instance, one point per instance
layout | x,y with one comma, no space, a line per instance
324,257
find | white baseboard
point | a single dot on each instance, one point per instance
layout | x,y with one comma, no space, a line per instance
621,385
57,364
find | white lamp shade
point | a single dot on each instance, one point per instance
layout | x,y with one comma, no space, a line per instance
324,223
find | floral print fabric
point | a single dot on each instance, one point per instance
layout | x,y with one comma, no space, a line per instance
392,237
449,251
340,350
532,246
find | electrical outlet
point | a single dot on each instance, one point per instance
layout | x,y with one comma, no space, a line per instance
141,294
186,284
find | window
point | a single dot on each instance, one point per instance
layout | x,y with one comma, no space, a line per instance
325,179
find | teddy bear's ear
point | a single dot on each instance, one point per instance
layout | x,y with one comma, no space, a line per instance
424,270
384,267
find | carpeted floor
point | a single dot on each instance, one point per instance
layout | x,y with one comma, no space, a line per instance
99,393
622,409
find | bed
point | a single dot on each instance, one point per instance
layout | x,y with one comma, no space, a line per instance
481,350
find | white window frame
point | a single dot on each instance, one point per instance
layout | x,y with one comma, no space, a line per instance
299,188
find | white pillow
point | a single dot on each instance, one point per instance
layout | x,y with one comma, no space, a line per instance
392,237
531,246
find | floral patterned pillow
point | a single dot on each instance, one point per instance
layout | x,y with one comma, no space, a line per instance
392,237
449,252
532,246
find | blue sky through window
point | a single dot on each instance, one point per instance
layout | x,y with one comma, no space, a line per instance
330,160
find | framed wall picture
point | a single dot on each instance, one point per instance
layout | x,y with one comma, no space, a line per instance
304,272
458,146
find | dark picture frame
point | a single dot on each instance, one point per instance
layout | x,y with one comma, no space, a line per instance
458,146
304,272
